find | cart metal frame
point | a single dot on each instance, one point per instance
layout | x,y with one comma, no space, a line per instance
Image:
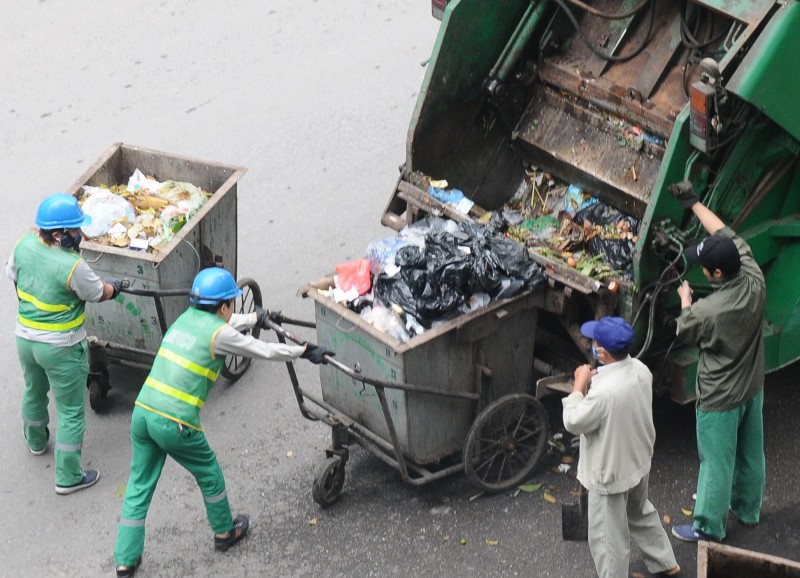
503,445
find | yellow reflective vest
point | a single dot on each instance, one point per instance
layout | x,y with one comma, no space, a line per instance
185,369
43,274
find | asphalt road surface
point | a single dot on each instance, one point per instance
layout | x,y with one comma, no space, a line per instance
314,97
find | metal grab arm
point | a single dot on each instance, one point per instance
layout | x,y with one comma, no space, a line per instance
356,374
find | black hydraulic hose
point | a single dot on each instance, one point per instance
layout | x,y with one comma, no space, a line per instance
688,39
600,53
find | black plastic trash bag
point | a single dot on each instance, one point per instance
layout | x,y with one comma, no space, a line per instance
458,261
616,252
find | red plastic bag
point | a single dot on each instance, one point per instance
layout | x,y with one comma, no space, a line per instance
354,274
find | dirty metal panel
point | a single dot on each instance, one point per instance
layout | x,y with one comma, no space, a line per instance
749,11
614,97
646,89
580,147
614,40
663,46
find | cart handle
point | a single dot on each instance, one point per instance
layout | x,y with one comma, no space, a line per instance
356,374
157,293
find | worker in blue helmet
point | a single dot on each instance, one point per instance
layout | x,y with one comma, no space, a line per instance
166,416
53,285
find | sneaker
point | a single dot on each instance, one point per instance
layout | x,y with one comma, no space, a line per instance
240,525
128,571
689,534
44,448
89,479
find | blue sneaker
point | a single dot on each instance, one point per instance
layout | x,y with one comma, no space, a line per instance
89,479
689,534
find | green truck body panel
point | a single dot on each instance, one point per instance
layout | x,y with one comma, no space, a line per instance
768,76
511,84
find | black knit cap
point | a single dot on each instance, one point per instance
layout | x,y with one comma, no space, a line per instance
716,252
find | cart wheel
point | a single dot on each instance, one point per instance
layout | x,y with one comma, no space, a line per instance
505,442
236,365
97,393
328,481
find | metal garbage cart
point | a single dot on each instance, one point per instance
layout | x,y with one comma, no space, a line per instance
130,328
452,399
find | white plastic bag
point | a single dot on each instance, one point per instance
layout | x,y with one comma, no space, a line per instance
105,208
139,181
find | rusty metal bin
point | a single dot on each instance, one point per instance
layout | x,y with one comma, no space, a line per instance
488,352
131,327
720,561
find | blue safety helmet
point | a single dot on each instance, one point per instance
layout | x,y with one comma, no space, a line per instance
212,286
61,211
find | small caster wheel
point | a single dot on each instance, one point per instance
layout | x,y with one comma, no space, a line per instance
97,392
328,481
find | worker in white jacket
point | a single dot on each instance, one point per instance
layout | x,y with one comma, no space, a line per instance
615,422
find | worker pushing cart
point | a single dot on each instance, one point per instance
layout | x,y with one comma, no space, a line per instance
166,416
53,284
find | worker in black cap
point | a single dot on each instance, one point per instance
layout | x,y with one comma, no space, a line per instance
727,327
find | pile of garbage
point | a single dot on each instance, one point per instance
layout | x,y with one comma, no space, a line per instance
142,215
432,271
560,221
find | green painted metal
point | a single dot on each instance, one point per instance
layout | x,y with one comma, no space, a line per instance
519,40
472,36
768,75
742,10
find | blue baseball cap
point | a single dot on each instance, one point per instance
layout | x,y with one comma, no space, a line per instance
611,333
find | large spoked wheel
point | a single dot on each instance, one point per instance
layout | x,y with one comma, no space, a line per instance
328,481
236,365
505,442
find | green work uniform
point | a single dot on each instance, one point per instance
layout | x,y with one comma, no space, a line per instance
727,327
51,310
166,421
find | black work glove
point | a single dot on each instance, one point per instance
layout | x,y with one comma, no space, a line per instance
116,284
315,353
684,192
264,314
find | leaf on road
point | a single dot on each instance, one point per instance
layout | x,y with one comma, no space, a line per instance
492,542
686,511
530,487
667,519
549,497
289,454
566,460
462,541
312,522
120,490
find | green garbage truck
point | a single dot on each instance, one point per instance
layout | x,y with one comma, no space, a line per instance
619,99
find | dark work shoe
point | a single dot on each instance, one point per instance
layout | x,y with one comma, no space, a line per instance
89,479
240,525
689,534
44,448
128,571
